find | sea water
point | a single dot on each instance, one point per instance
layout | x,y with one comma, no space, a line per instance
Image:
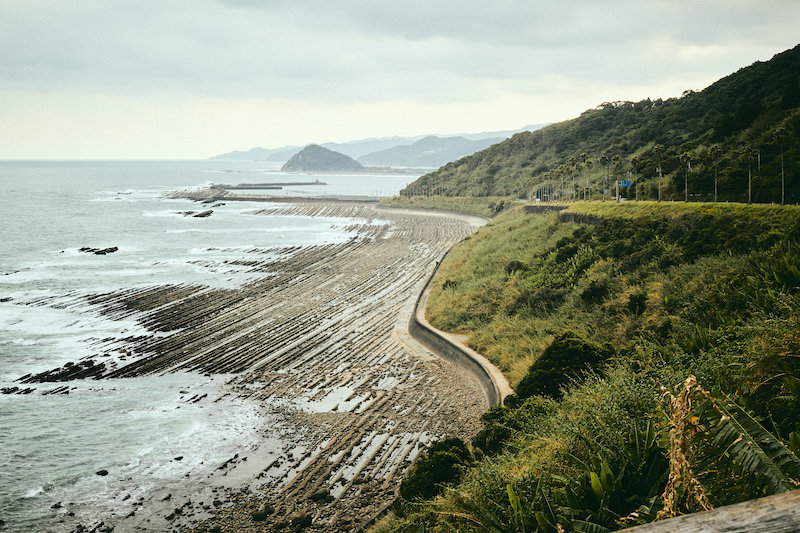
142,431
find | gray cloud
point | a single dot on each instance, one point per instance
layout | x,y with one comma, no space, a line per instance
361,52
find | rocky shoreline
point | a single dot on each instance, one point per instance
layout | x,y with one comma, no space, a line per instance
317,342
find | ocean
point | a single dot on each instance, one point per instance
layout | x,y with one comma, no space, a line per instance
52,446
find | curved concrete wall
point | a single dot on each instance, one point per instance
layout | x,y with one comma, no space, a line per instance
489,376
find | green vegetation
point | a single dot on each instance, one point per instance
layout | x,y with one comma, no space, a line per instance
737,140
563,362
438,465
697,404
485,206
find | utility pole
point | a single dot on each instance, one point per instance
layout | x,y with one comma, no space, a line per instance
686,176
715,153
715,181
783,179
658,150
749,179
780,136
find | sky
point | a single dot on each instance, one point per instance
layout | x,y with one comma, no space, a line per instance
188,79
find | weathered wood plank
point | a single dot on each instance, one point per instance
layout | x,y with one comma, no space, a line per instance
773,514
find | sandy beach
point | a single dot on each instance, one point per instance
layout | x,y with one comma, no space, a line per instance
320,342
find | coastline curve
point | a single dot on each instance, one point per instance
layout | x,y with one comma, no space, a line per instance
452,349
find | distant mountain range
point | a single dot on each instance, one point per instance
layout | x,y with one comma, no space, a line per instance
418,151
429,152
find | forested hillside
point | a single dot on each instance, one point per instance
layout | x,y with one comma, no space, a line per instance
746,125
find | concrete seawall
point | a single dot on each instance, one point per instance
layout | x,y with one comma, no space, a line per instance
449,347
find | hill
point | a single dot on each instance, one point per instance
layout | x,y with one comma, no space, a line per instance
315,158
253,154
429,152
745,123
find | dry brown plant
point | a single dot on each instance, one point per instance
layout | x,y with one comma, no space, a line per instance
680,435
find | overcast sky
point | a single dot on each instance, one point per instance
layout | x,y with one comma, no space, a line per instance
164,79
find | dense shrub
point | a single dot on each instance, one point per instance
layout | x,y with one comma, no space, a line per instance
441,463
567,358
595,292
500,423
637,302
515,266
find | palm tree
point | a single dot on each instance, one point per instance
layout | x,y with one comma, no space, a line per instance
571,164
686,159
780,137
715,153
658,150
589,165
615,162
635,163
748,152
585,161
603,159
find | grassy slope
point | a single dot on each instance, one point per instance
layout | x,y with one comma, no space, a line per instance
486,206
678,289
484,301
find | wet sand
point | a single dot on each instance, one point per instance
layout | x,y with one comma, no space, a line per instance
320,342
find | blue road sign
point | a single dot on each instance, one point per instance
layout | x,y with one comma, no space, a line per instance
625,183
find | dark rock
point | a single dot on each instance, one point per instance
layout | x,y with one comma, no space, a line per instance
102,472
178,458
261,514
56,505
258,516
98,251
300,519
203,214
321,496
69,372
